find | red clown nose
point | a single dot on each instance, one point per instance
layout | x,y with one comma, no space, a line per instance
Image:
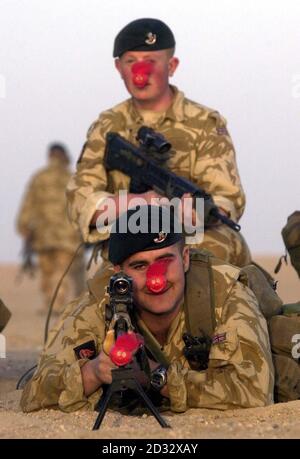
140,73
125,347
156,280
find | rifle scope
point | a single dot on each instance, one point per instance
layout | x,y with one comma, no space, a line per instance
150,139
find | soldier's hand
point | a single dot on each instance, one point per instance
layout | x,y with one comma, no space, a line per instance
193,217
102,367
112,207
96,372
213,221
151,197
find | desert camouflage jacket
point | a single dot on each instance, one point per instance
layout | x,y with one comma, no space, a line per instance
43,213
203,153
240,371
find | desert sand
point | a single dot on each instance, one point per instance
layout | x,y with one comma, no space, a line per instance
24,339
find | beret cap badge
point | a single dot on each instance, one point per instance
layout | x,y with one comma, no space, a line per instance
150,38
162,236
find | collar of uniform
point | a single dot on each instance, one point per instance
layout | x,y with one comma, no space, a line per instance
134,116
173,327
175,112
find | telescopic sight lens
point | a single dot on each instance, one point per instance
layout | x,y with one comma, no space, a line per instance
121,286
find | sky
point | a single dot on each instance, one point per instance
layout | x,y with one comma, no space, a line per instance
241,58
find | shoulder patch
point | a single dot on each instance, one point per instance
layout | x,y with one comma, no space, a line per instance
86,350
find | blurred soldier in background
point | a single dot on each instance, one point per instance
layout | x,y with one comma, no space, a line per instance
43,223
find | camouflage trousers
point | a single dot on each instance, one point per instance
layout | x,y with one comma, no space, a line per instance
52,265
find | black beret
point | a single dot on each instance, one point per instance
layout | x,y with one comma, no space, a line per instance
156,228
143,35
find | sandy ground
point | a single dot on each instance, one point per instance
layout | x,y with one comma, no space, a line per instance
24,337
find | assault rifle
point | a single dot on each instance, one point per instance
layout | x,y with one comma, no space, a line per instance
28,265
124,377
146,166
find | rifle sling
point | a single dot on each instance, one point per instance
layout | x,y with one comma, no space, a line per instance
199,305
153,346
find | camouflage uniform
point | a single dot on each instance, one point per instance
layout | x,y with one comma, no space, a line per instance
240,370
203,153
43,217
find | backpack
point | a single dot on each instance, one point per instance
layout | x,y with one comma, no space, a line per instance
283,324
291,238
284,333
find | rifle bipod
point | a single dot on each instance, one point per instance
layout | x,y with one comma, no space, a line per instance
122,379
